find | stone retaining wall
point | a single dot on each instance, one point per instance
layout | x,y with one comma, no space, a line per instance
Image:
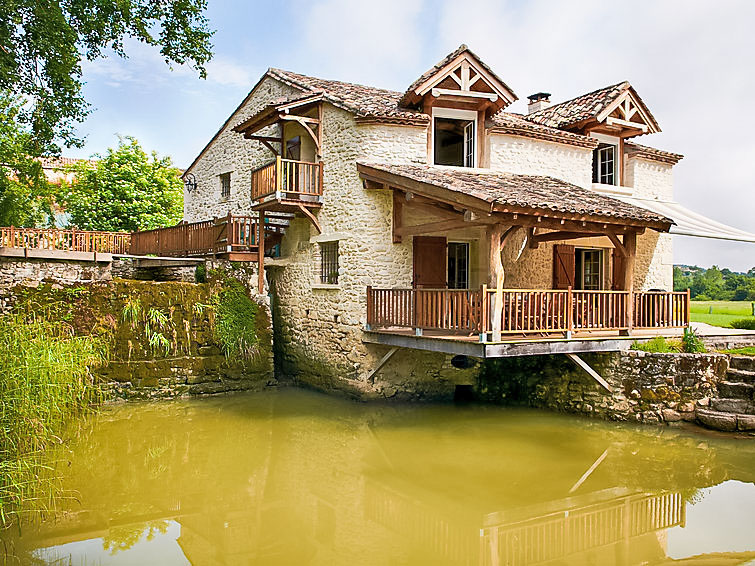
650,388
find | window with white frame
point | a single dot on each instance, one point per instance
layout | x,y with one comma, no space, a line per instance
329,263
458,265
454,137
605,165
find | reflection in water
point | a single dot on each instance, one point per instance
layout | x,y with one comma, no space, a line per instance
292,477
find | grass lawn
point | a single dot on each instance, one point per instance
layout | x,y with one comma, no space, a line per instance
720,313
748,351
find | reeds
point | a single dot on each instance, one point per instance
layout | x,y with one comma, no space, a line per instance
45,377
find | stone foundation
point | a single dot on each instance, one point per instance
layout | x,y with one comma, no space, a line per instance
649,388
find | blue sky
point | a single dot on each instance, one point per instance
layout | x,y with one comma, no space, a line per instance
691,62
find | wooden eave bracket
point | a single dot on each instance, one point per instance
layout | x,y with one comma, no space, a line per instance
628,105
306,212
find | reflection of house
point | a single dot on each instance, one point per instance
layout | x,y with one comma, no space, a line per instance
55,168
401,207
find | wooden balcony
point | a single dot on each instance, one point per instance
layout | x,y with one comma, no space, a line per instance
524,313
232,237
285,185
55,243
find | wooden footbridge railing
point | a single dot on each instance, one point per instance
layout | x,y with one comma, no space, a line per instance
524,311
65,240
229,234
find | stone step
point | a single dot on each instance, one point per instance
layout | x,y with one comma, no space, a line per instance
746,363
728,422
742,406
736,390
740,375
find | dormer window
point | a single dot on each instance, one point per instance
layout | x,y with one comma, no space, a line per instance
454,133
604,167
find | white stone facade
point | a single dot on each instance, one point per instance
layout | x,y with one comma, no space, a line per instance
320,325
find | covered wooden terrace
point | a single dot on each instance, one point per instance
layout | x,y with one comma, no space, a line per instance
541,209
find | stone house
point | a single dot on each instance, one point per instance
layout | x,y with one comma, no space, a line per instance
435,221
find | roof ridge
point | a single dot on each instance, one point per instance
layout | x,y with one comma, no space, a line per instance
289,73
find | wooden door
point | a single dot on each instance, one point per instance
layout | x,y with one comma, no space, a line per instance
429,262
563,266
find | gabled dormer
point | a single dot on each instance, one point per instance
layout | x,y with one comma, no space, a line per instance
458,94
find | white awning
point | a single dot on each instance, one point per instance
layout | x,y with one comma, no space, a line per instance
689,223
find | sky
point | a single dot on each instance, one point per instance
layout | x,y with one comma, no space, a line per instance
691,61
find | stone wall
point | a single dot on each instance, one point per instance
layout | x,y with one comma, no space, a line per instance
649,179
516,154
650,388
31,272
231,153
187,358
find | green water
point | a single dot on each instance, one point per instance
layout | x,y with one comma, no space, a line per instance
293,477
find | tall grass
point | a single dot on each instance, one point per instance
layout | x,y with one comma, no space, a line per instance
45,378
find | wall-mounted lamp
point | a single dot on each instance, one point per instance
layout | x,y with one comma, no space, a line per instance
190,182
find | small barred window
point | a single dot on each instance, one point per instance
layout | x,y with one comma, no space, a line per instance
329,263
225,185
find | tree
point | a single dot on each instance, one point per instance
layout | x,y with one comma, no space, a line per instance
23,186
42,44
126,190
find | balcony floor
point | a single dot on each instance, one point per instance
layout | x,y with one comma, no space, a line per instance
520,345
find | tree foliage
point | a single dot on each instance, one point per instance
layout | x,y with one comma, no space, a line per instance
127,190
715,284
42,44
23,187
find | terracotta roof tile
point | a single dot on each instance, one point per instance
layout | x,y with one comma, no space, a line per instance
518,125
583,107
525,191
364,101
635,149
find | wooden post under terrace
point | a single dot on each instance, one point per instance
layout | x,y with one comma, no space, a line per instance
630,245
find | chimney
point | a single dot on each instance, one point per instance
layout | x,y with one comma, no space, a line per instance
538,101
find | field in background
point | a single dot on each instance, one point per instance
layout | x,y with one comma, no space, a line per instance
720,313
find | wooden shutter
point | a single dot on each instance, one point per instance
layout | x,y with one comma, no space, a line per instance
563,266
430,269
617,272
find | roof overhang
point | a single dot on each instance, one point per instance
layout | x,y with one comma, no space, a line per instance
488,210
627,116
276,112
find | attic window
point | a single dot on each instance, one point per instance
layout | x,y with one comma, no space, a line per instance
604,164
454,135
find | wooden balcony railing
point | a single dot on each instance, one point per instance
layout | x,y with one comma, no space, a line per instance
524,311
286,179
208,237
70,240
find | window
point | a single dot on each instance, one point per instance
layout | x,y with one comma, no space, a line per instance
458,265
454,133
329,263
225,185
589,269
604,169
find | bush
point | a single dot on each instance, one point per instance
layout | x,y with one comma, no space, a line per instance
658,345
743,323
692,343
701,297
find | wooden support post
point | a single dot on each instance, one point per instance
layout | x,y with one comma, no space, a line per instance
278,176
630,245
370,308
569,312
398,215
496,279
484,313
591,372
687,319
261,253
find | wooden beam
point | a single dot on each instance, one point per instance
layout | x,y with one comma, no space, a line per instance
270,147
305,211
398,213
589,472
262,138
261,253
434,209
381,363
611,121
432,227
617,243
498,240
589,371
555,236
630,244
304,122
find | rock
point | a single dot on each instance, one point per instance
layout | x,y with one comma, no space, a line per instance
686,408
717,420
704,402
746,422
670,415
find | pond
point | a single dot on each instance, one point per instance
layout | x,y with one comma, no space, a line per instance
295,477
